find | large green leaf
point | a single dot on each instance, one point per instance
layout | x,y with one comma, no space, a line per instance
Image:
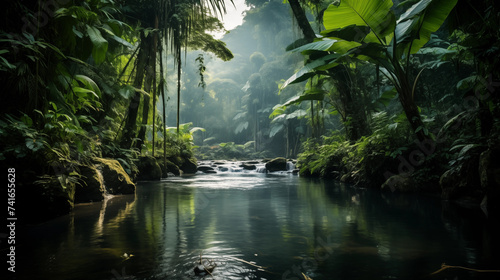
375,14
89,84
348,33
275,129
322,45
100,45
426,17
308,70
305,97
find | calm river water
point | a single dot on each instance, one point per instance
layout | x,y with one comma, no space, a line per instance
260,226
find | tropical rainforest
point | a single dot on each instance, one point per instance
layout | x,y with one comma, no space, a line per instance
397,95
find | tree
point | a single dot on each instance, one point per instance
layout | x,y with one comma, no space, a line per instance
368,30
174,23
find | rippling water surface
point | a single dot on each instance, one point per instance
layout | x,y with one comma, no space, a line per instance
260,226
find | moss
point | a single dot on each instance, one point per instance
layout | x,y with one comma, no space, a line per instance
93,188
116,180
190,166
149,169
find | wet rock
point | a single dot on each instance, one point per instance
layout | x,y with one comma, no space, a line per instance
149,169
115,179
400,183
277,164
189,166
53,199
248,166
93,187
168,168
206,169
346,178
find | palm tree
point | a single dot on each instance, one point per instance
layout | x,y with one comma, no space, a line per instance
169,22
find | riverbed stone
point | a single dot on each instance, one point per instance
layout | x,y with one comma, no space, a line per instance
206,169
93,187
189,166
149,169
168,168
247,166
276,164
116,180
400,183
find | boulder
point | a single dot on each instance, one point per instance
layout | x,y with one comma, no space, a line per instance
149,170
248,166
51,196
168,167
93,189
206,169
189,166
115,179
277,164
400,183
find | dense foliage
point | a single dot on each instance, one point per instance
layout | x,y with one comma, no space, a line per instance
80,78
415,95
379,88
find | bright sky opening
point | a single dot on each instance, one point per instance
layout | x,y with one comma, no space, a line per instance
234,16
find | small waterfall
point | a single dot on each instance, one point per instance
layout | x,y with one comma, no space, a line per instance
239,167
261,169
105,194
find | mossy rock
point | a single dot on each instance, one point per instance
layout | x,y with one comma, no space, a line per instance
115,179
93,189
401,184
149,169
189,166
53,199
168,167
277,164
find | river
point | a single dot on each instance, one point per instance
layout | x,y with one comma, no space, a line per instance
253,225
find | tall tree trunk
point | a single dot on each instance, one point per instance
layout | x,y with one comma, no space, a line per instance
405,95
162,90
133,109
155,51
313,126
148,84
413,115
179,72
302,20
354,122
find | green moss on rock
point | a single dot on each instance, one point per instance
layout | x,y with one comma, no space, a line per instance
116,180
93,189
149,169
190,166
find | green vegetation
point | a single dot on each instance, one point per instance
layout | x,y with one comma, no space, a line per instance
444,122
380,88
80,78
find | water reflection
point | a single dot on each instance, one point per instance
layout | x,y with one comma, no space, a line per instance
259,226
